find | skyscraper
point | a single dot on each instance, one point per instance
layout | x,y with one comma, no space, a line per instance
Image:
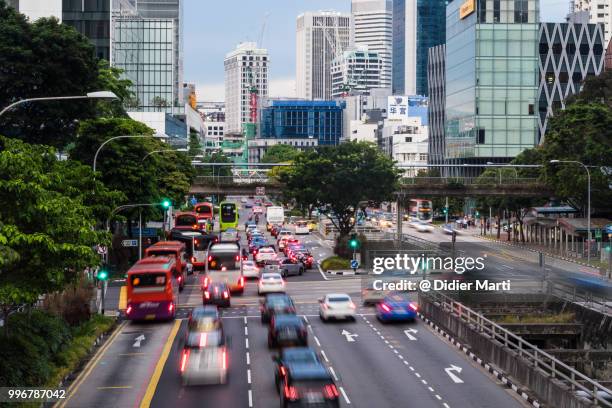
373,26
592,11
417,26
321,36
356,71
246,66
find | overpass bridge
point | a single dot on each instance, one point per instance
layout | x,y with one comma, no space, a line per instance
409,187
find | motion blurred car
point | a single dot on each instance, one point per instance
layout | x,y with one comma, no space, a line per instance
312,226
256,244
287,330
275,229
291,242
217,293
283,240
424,227
276,303
303,380
250,269
204,359
371,296
265,254
270,282
288,266
249,225
336,306
397,306
243,200
229,235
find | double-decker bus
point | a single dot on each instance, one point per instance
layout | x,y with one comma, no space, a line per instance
152,291
420,210
228,215
224,264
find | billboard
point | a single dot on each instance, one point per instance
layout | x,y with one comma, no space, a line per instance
397,107
467,8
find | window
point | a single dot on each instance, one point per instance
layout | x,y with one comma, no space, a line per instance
408,139
531,109
481,136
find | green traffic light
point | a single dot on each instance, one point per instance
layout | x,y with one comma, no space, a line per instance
166,203
353,242
102,275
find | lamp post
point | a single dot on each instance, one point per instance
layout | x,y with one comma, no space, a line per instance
163,151
95,160
588,201
90,95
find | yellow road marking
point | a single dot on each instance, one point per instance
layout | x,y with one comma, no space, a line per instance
122,298
148,397
74,387
116,387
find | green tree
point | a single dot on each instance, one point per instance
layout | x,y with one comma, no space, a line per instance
596,88
336,179
46,228
110,79
195,147
280,153
159,102
41,59
217,171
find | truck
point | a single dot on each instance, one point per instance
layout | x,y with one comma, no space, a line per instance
275,215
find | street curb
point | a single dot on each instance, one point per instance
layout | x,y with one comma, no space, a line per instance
572,260
73,375
347,273
522,392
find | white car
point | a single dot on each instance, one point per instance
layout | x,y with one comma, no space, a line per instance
301,227
258,210
270,283
336,306
243,200
265,254
250,269
205,362
424,227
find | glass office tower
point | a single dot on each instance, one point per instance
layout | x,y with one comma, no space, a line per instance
491,80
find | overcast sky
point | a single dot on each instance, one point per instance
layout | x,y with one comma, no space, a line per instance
212,28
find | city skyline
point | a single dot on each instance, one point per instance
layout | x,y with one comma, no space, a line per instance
204,62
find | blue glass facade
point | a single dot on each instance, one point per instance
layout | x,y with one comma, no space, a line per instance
430,31
288,119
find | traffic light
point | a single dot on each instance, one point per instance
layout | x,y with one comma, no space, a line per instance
353,242
445,210
166,203
102,274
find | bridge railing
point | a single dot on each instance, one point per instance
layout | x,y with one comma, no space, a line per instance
550,365
465,181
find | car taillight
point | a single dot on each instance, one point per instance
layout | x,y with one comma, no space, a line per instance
237,258
414,306
352,305
283,371
223,268
171,307
209,258
193,259
207,295
225,294
195,226
224,360
205,282
184,359
244,258
128,310
385,307
241,281
330,391
180,279
291,393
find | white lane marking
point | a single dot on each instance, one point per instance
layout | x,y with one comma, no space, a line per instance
321,272
250,399
246,331
430,389
418,375
317,341
246,342
439,397
249,375
306,320
245,320
344,395
446,405
324,356
331,370
506,266
248,358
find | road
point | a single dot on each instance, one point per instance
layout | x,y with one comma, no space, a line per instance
375,365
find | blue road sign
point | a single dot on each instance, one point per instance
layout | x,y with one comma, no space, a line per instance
354,264
194,201
609,228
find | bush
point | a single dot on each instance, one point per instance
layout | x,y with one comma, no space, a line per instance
72,304
335,263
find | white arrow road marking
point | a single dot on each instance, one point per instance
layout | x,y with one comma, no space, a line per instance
410,336
349,336
138,340
453,377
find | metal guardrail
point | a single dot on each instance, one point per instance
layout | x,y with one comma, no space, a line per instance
541,360
573,294
463,181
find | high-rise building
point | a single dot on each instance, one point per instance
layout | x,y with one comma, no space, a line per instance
492,80
245,67
417,26
321,36
356,71
373,27
592,11
436,71
35,9
569,52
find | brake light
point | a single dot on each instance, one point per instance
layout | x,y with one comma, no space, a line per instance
180,279
193,259
224,359
283,371
209,258
385,307
225,294
171,307
205,282
207,294
128,310
184,360
195,226
414,306
330,391
291,393
203,339
241,281
237,258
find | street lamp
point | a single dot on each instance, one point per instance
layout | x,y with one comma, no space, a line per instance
182,150
157,136
588,201
90,95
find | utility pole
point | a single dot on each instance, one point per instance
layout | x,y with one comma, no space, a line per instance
446,212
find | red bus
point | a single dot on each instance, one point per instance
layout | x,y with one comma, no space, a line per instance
204,211
177,251
151,291
186,221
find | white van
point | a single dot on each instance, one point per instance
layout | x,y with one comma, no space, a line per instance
275,215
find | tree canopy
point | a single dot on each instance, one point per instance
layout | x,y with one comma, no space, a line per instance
336,179
280,153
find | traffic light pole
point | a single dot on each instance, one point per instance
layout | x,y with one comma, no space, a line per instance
446,212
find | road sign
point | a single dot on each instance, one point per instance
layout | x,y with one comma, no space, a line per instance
194,201
129,243
354,264
146,232
598,234
609,228
260,191
102,250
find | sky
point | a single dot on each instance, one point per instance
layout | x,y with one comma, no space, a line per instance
212,28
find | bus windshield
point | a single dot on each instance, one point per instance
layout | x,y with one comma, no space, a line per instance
162,252
228,212
223,261
203,209
186,220
148,279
